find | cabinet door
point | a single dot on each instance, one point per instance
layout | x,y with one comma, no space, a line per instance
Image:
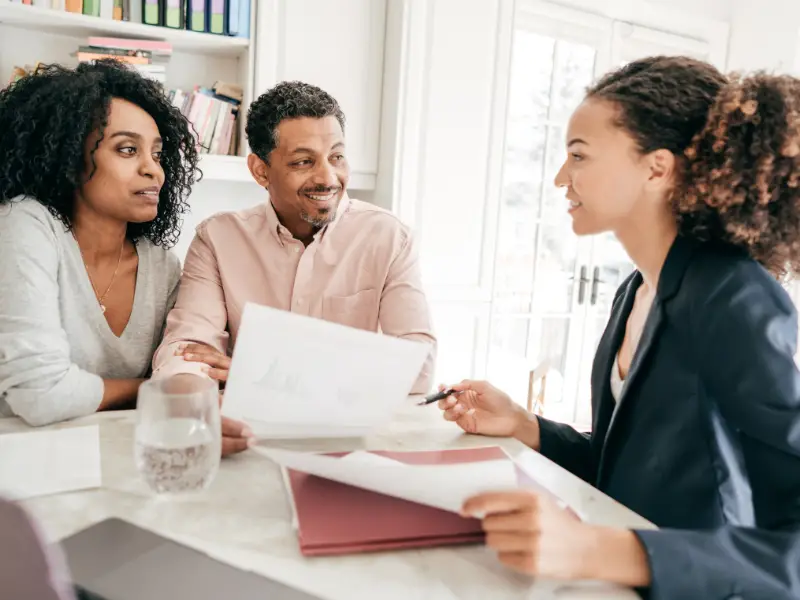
337,46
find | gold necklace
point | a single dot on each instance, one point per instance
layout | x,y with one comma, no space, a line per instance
100,299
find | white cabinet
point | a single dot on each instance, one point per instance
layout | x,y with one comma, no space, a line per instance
337,46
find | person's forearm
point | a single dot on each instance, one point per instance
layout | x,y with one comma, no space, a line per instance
527,430
118,392
616,556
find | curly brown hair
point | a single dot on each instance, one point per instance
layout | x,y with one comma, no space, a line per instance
738,143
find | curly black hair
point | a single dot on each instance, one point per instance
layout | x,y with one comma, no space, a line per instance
287,100
46,119
738,144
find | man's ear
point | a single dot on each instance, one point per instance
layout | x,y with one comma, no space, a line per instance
258,169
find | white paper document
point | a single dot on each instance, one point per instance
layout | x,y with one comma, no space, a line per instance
441,486
38,463
294,376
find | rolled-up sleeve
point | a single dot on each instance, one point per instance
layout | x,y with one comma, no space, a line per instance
38,380
200,314
404,310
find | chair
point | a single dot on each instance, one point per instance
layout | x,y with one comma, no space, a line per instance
536,398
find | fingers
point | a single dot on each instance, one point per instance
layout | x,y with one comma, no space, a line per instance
217,374
524,562
467,384
507,542
456,407
502,523
235,429
236,436
213,359
501,502
234,445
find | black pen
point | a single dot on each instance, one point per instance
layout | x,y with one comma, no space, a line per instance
430,399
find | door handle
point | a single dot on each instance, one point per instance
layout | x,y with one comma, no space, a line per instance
595,281
582,285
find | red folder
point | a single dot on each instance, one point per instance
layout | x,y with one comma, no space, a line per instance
335,518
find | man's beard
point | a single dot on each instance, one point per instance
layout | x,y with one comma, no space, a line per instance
319,220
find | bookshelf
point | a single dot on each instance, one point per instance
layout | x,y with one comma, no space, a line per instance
76,25
31,33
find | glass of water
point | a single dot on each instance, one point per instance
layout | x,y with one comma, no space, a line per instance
178,433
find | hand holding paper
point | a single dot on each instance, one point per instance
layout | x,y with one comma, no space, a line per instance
295,376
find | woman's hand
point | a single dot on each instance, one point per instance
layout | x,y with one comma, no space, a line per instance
533,534
479,407
217,363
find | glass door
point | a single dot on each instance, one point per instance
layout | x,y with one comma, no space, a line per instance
540,289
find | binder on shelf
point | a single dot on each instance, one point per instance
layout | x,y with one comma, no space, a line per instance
74,6
196,17
244,19
106,9
174,14
217,11
233,17
119,10
91,7
151,12
133,10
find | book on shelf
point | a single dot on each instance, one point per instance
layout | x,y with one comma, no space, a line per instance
148,57
214,117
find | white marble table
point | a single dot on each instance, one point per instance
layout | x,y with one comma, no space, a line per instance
244,519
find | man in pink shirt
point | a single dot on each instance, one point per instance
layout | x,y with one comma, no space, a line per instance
308,249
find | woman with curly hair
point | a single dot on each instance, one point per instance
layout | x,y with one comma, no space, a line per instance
695,392
95,169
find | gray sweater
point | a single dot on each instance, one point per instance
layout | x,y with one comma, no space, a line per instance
55,344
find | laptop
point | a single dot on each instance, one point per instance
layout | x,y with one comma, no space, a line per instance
116,560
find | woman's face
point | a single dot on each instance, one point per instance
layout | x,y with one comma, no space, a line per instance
124,172
609,181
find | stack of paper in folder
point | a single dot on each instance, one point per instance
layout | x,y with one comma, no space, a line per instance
213,114
371,501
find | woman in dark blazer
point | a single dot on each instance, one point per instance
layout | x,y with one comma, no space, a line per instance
695,392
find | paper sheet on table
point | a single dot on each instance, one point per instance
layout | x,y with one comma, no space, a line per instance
300,377
440,486
38,463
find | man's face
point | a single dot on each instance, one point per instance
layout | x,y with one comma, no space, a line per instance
307,173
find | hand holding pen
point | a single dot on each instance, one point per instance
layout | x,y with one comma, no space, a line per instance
479,407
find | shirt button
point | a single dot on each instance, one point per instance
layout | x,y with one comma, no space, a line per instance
296,250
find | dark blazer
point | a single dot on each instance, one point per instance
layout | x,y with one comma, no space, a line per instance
705,442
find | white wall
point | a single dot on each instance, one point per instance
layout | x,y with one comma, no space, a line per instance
764,35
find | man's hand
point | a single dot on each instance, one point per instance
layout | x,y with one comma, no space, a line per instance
236,436
217,363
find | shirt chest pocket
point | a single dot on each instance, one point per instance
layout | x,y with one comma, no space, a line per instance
359,310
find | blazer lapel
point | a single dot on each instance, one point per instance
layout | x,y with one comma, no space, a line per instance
607,349
672,272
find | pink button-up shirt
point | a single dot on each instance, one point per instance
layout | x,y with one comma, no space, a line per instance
361,270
